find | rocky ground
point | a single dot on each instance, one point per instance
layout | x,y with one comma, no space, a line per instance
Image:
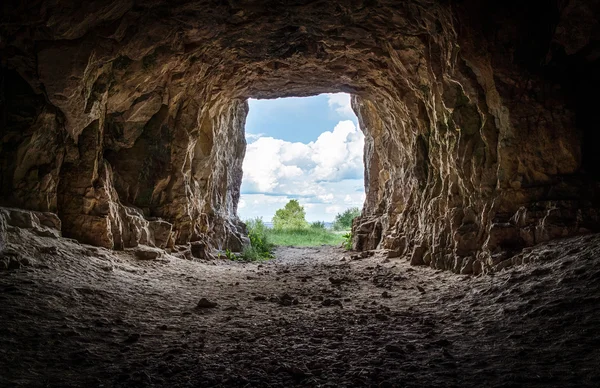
78,316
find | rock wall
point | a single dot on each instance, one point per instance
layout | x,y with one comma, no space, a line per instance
126,118
123,150
482,152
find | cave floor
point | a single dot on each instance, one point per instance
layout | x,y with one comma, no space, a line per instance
79,316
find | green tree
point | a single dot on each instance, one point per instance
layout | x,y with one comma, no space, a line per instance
343,221
292,216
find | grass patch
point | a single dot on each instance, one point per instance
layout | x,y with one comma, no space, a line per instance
304,237
264,239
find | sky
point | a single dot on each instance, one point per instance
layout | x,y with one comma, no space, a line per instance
304,148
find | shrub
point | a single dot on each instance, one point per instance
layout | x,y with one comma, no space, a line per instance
347,244
317,225
260,246
292,216
343,221
230,255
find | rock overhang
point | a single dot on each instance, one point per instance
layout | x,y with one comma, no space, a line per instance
136,113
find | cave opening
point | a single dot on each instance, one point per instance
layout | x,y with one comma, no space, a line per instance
304,148
303,171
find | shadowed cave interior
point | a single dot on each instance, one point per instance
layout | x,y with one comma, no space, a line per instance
475,258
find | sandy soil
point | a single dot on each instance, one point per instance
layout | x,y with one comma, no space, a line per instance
78,316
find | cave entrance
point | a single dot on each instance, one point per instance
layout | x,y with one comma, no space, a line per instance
303,168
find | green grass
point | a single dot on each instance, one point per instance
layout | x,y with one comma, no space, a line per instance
306,237
263,239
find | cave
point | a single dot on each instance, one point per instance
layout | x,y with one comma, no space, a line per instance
122,138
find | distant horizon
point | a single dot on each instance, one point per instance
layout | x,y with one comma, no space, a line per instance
270,224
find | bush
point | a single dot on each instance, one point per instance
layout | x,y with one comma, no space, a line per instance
343,221
347,244
292,216
260,247
317,225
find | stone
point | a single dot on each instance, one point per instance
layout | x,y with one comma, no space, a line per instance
204,303
200,250
134,337
50,249
331,302
147,253
286,300
393,348
381,317
42,224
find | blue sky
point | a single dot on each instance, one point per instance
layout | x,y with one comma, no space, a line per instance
298,119
308,149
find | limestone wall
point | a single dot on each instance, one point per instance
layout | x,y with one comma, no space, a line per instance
127,119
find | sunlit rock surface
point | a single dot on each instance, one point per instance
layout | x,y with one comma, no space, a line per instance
126,119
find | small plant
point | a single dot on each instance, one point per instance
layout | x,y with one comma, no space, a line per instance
230,255
347,244
260,246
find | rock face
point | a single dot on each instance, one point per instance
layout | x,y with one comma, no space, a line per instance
127,119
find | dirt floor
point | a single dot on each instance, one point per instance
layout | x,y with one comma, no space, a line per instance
78,316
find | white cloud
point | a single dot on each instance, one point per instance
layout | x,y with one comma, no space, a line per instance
338,154
250,137
340,103
327,198
333,209
277,166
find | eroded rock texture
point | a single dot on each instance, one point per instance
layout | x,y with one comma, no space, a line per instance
126,118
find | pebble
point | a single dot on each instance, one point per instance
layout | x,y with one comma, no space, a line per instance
205,304
331,302
287,300
132,338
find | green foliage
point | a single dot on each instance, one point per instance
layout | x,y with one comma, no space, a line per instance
347,243
343,221
304,237
260,246
230,255
292,216
317,225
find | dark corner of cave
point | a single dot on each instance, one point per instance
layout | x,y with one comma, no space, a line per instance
474,262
